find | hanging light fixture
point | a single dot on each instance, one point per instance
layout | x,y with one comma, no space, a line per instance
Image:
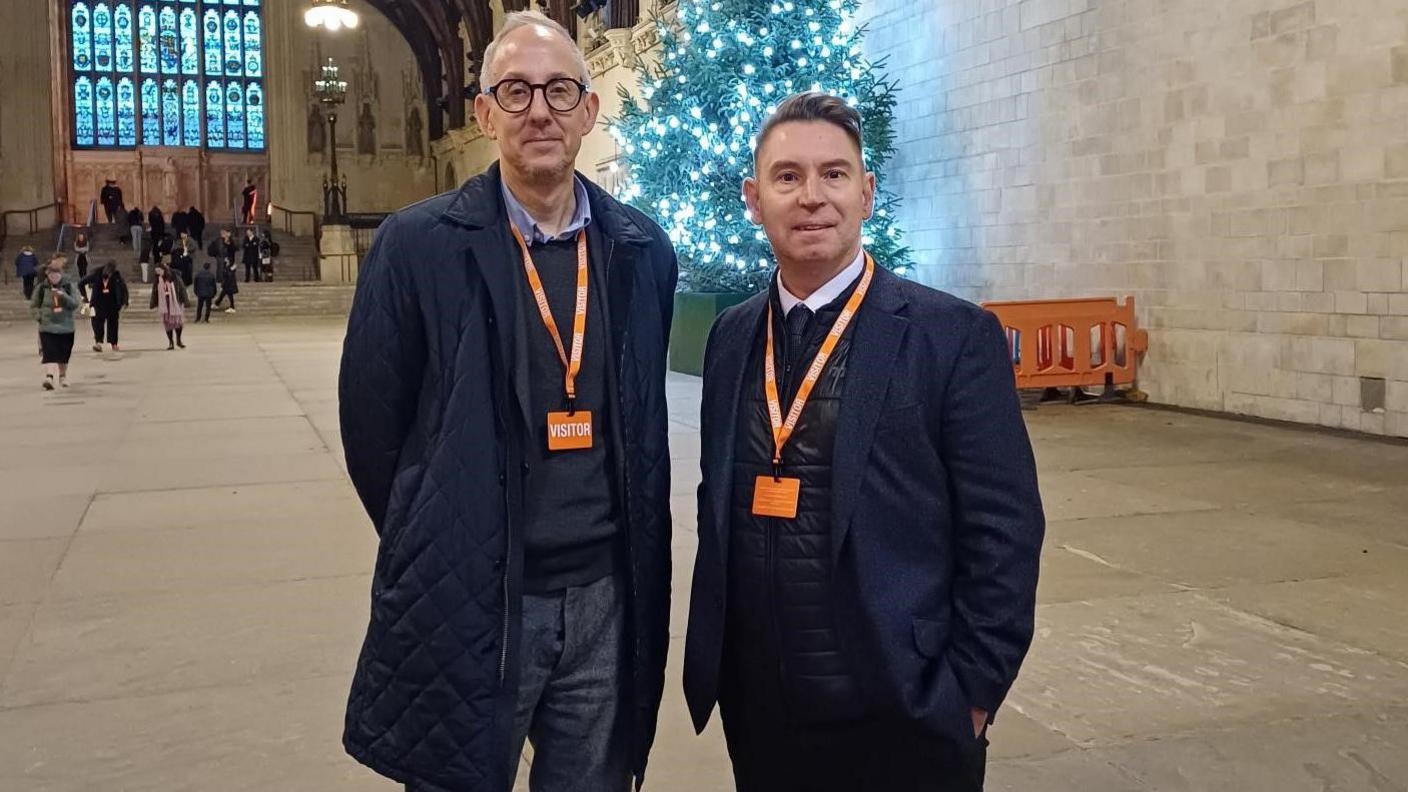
332,15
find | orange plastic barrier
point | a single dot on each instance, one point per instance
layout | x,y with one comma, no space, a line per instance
1072,343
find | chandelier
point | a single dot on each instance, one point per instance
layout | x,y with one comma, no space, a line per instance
332,15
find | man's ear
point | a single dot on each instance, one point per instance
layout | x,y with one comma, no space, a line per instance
869,195
593,103
484,117
750,198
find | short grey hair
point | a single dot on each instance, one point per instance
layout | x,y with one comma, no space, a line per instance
518,19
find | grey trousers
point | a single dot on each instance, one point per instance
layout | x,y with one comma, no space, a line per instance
570,691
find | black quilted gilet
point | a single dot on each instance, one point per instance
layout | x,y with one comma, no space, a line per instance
780,615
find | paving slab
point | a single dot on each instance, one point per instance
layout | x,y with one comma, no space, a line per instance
274,734
116,562
330,502
1120,669
1223,548
212,637
1364,611
26,567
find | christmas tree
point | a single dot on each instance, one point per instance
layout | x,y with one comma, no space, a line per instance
687,137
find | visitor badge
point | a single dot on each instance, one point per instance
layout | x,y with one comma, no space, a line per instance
776,497
569,431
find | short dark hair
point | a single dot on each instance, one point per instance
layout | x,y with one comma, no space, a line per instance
813,106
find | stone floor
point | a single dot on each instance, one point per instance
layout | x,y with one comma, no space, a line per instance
184,576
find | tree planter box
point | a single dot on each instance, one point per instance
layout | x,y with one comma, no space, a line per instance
694,315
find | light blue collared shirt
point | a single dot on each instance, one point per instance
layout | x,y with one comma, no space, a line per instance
528,227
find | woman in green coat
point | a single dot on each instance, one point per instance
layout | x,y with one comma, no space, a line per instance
53,304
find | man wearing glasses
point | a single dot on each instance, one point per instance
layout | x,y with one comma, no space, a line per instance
502,399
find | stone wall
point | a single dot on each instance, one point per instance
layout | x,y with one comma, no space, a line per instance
382,137
26,126
1239,166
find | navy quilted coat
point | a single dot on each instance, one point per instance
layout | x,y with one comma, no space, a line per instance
432,421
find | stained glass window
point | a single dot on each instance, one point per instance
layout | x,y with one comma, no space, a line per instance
126,112
234,115
170,114
233,60
254,98
190,113
151,113
83,111
215,114
82,38
190,42
102,37
213,50
168,44
122,37
253,49
146,35
107,115
154,73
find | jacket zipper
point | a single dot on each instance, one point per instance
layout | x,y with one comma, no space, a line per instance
623,465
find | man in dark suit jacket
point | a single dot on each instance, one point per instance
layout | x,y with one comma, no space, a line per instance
869,520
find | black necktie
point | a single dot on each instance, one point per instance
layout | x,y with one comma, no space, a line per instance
797,321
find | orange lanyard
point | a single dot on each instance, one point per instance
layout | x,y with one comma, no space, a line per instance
782,429
572,364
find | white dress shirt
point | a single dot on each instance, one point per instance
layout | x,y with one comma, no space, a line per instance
829,291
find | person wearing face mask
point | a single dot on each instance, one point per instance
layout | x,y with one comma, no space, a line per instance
249,254
53,305
106,290
502,396
169,298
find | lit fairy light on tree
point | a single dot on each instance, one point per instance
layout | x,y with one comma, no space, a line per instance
686,136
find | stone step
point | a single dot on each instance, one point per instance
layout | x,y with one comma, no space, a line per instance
265,300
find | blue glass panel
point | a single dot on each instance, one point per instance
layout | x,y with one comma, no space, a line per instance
227,2
234,62
190,43
151,113
146,38
107,115
83,111
82,40
102,37
122,37
251,2
234,115
170,114
215,114
126,112
254,99
213,67
168,45
190,112
253,46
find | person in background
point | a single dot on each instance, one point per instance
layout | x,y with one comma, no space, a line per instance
223,249
180,222
205,293
26,265
250,205
268,249
134,227
229,284
183,254
170,300
80,252
197,224
52,306
157,222
145,261
250,255
106,290
111,199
